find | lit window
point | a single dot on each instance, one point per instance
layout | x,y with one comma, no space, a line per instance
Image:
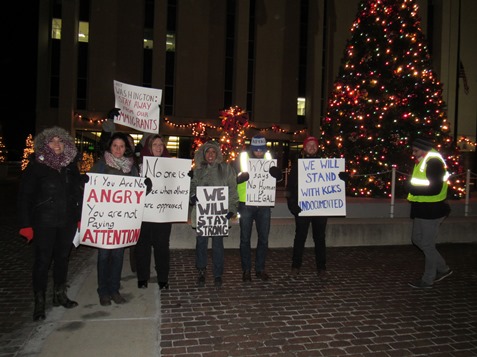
300,106
56,29
83,30
148,42
170,42
173,144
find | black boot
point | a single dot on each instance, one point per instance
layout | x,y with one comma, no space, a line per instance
201,278
60,298
39,311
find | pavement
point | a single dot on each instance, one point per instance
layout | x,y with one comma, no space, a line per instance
364,308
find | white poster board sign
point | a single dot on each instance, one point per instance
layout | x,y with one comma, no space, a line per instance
139,107
261,186
211,208
112,211
320,190
169,199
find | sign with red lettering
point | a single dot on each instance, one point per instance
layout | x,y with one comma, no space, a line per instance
320,190
113,206
212,208
139,107
169,199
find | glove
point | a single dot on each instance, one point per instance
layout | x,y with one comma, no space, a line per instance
344,176
295,210
193,200
229,215
148,184
190,174
113,113
276,173
27,233
242,177
84,178
109,126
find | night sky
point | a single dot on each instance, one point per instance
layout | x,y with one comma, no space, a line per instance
19,25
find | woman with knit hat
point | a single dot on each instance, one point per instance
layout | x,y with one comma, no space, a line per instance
49,209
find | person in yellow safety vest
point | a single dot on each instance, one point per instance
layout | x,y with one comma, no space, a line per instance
260,214
427,195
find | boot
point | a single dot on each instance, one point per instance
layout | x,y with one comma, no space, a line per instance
201,278
39,311
60,298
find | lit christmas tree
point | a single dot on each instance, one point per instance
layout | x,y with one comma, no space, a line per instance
86,162
385,95
234,121
27,151
3,150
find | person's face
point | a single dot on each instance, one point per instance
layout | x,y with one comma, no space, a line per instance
418,153
118,148
311,148
157,147
259,154
57,145
210,155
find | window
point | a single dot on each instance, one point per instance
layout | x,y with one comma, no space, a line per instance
300,106
83,30
170,42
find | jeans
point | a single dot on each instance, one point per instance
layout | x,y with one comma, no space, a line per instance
261,215
157,236
110,266
51,244
424,236
217,254
318,226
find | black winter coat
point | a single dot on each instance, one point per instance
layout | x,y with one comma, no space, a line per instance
48,197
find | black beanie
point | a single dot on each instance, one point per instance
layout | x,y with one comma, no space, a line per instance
422,144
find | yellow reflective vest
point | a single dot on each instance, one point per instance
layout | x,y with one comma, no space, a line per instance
242,187
419,178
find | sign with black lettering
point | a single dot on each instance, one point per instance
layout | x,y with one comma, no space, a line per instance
320,190
261,186
112,211
211,211
169,199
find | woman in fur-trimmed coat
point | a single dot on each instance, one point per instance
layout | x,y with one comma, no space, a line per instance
49,208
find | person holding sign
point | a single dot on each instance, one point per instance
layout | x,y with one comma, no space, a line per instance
260,212
302,223
49,208
154,234
210,170
116,160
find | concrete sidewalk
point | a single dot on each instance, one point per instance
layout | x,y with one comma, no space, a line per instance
130,329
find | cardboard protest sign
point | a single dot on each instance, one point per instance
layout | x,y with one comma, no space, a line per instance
169,199
139,107
261,186
211,208
320,190
112,211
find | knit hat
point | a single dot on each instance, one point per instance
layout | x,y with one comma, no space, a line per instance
259,143
422,144
310,138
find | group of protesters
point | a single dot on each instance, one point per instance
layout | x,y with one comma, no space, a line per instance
51,194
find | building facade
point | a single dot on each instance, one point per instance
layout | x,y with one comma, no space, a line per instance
276,59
